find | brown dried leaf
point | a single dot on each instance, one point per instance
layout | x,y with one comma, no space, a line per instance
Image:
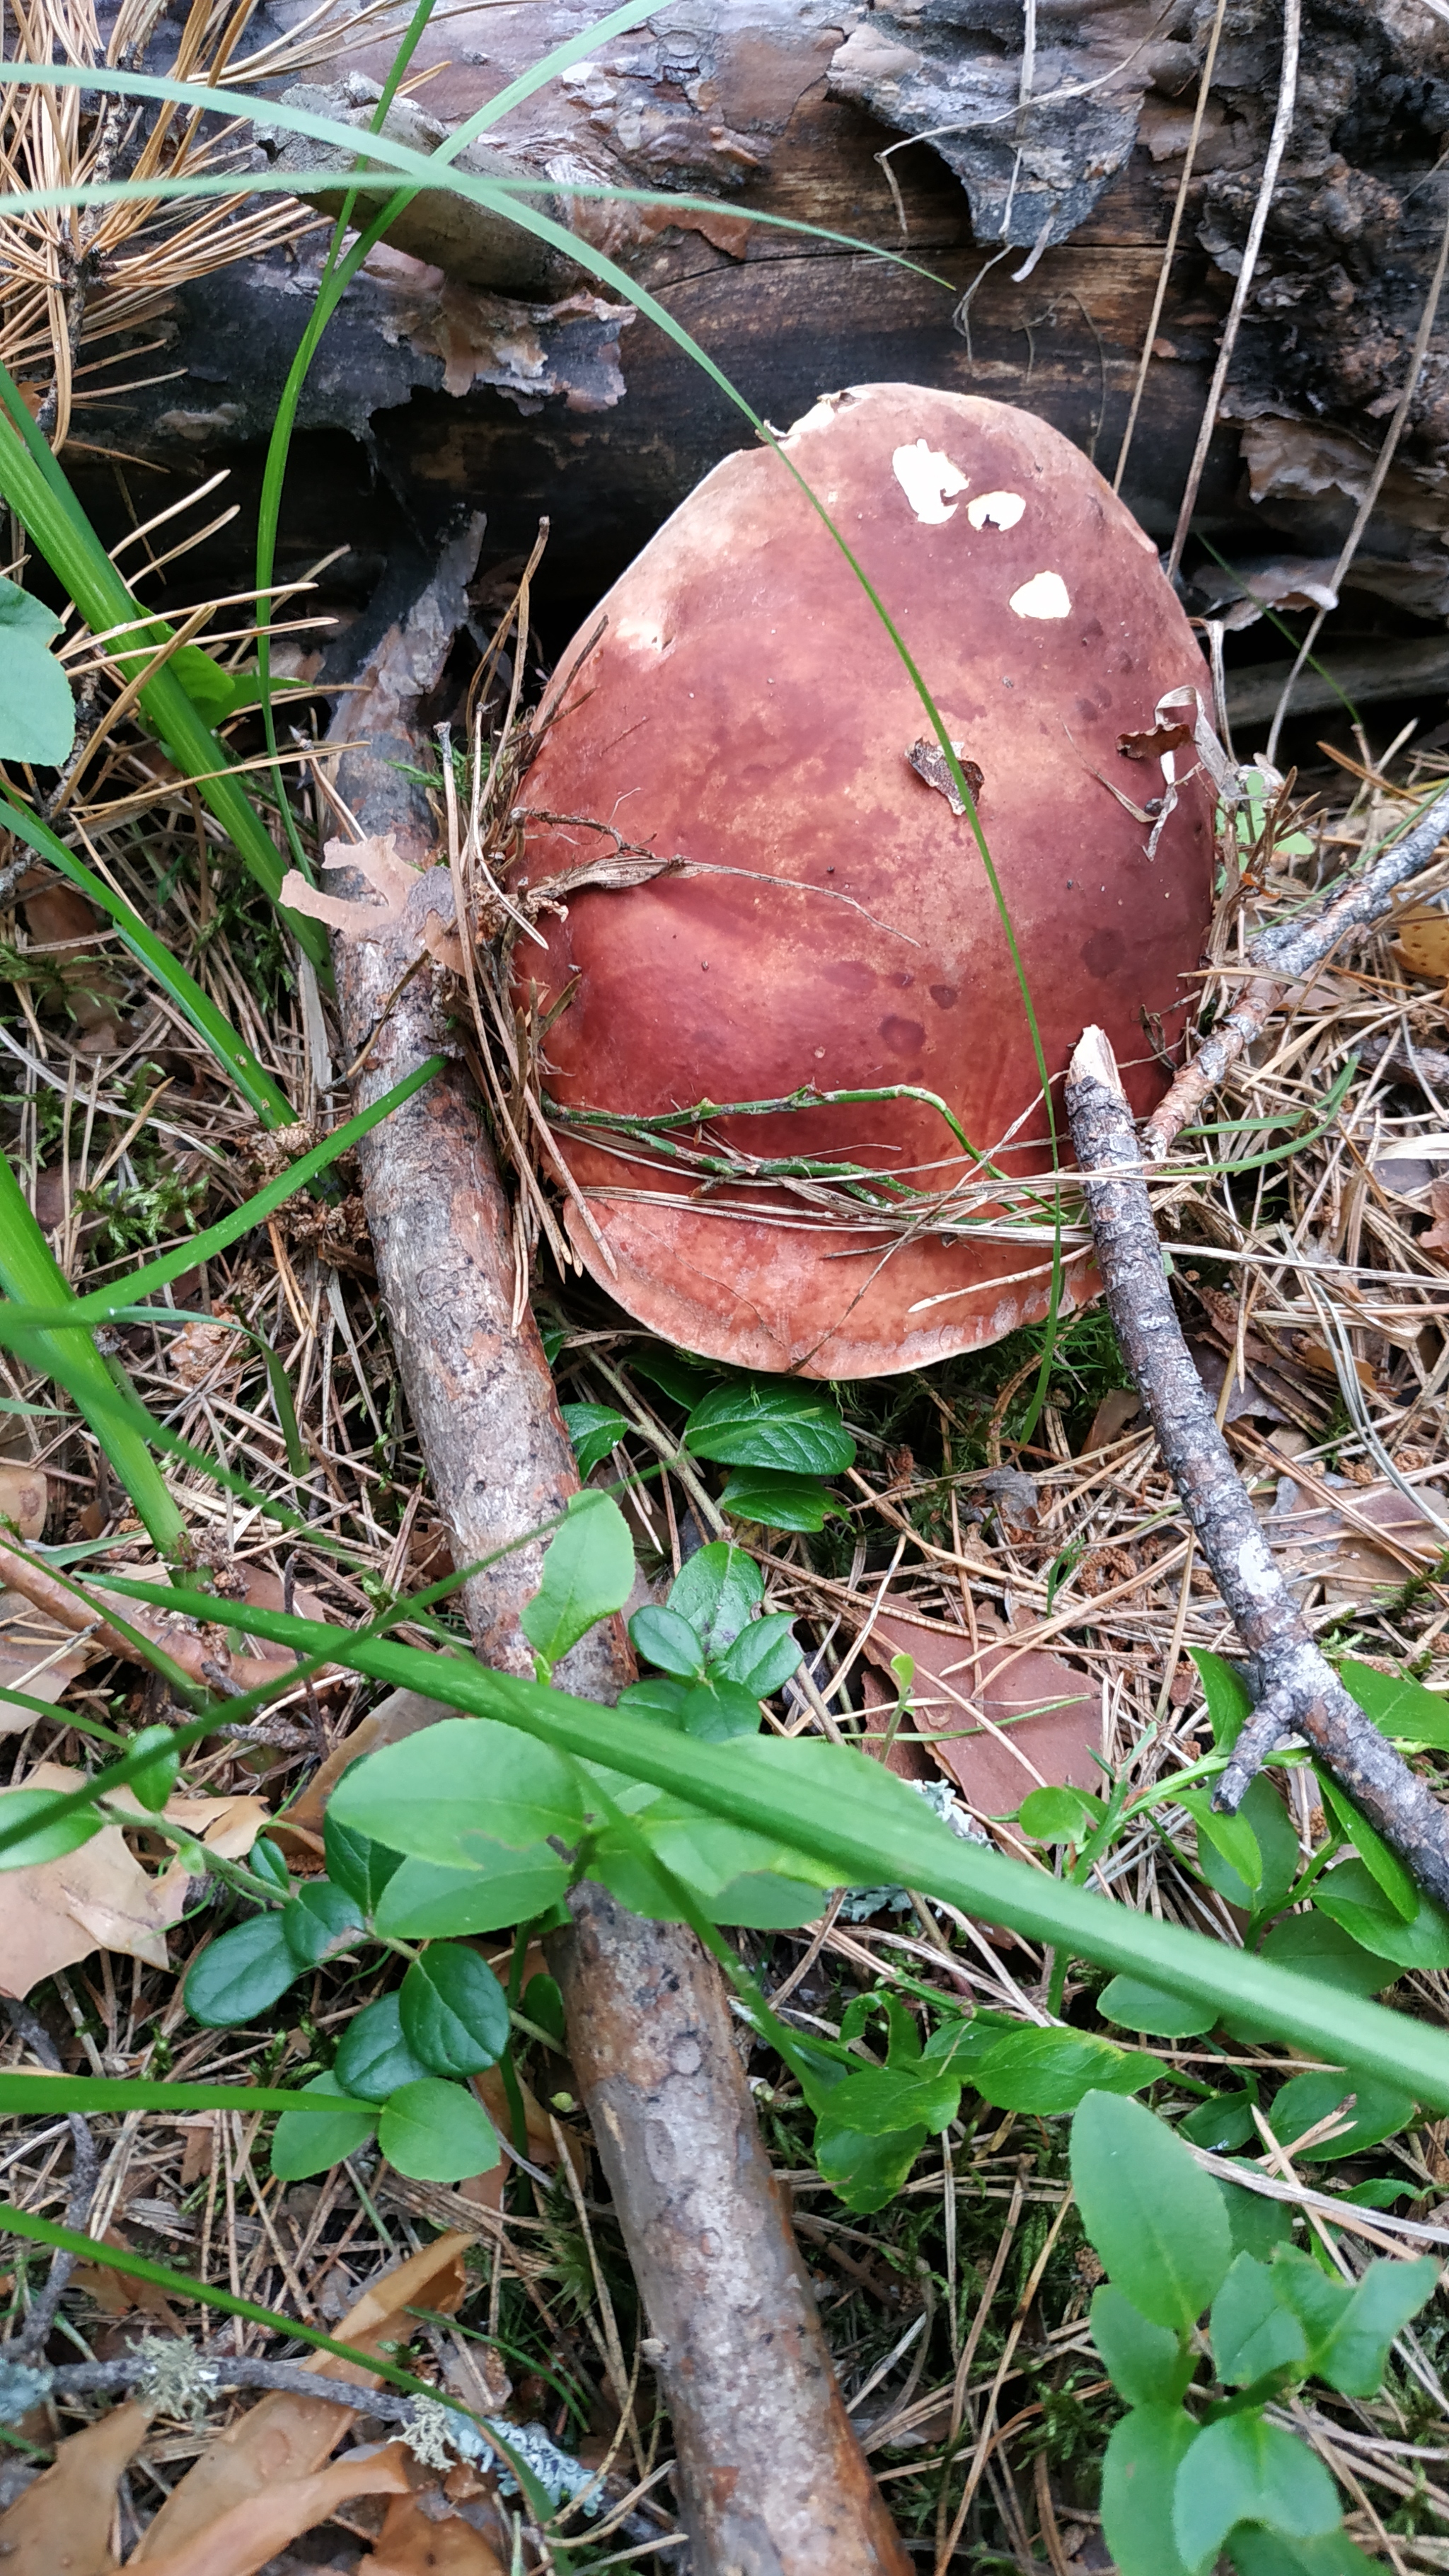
412,2543
241,2540
24,1497
1422,944
63,2521
285,2439
37,1656
1152,744
198,1349
1046,1716
413,903
1435,1238
100,1898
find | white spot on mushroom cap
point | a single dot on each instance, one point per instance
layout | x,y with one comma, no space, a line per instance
995,509
926,477
1045,595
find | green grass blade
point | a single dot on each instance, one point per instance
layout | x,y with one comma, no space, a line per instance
864,1847
31,1276
216,1032
22,2093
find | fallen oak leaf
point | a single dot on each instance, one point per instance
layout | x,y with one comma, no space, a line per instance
284,2438
99,1897
24,1497
63,2521
37,1656
412,2543
240,2540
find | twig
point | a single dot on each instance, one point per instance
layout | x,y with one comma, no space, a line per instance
1293,1684
1282,956
1277,144
85,2169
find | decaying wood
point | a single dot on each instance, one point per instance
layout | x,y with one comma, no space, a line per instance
1282,956
773,2476
1294,1688
710,2242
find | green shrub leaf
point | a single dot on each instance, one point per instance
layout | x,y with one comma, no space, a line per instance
455,1790
588,1571
1279,1858
1053,2070
1135,2005
1242,2469
1399,1707
1153,2215
1353,1896
37,711
374,2058
424,1903
304,2143
1220,2124
319,1918
1253,2330
356,1863
1379,2111
1229,1700
1059,1816
1355,2356
718,1592
866,2171
1139,2481
1145,2363
154,1785
777,1501
784,1426
454,2011
662,1638
242,1974
437,2132
762,1657
595,1430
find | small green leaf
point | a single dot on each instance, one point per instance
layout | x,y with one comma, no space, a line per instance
374,2057
37,711
658,1700
1279,1857
1135,2005
1139,2481
46,1841
423,1903
1399,1707
242,1974
1054,1815
266,1860
1052,2070
542,2004
1255,2552
319,1918
595,1430
777,1501
866,2171
718,1591
1231,1837
437,2132
212,691
1229,1700
1380,2111
1145,2363
356,1863
455,1790
588,1572
154,1785
1255,2223
1153,2215
454,2011
770,1424
305,2144
1315,1947
1384,1866
719,1711
683,1379
1253,2331
1353,1896
1356,2355
1223,2122
1243,2469
662,1638
878,2100
762,1657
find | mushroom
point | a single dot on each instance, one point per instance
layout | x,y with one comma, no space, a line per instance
740,709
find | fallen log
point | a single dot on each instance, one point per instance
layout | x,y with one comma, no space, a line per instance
770,2473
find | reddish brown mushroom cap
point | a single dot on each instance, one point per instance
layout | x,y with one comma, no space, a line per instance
746,711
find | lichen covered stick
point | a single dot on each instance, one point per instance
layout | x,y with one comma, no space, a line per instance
1294,1688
